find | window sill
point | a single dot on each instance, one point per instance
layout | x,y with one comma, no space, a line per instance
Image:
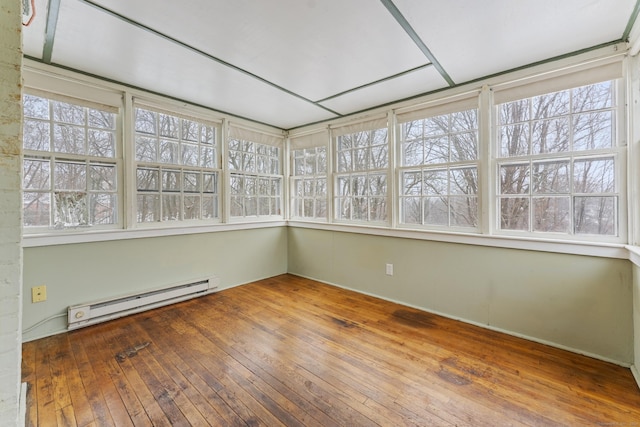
606,250
36,240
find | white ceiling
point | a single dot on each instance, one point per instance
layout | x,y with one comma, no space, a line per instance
288,63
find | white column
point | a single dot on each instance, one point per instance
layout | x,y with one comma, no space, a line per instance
10,210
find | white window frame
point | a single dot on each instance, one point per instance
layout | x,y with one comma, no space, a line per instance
550,84
267,141
369,126
304,144
98,103
216,170
464,102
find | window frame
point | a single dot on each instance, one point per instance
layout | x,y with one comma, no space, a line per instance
467,102
352,129
216,170
618,152
55,157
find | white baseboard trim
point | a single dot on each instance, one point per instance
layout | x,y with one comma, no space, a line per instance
23,405
482,325
636,374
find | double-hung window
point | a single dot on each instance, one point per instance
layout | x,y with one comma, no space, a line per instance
439,166
559,162
71,175
254,161
362,171
177,167
309,177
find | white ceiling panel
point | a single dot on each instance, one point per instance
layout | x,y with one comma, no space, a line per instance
116,50
33,35
411,84
315,48
473,39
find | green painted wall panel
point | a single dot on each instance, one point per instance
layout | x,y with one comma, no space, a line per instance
577,302
79,273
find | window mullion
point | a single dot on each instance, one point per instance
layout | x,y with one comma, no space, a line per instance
488,173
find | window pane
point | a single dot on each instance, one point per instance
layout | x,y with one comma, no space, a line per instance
36,175
593,97
436,149
592,131
168,126
102,177
191,206
101,119
36,209
464,146
148,207
514,112
514,213
411,210
412,183
552,214
596,215
463,181
36,135
209,207
463,211
146,149
550,136
191,182
147,179
551,177
514,179
189,154
170,181
412,153
70,209
550,105
190,131
68,113
435,182
35,107
68,139
146,121
70,176
514,140
101,143
103,208
170,207
594,175
169,152
436,211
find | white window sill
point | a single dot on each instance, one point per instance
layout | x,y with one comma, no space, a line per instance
50,239
606,250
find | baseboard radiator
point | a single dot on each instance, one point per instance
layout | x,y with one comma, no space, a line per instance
100,311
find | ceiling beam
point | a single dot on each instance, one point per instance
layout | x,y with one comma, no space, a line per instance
50,31
399,17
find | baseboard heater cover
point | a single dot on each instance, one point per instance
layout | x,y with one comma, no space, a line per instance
100,311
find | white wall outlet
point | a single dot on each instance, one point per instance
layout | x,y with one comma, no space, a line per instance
389,269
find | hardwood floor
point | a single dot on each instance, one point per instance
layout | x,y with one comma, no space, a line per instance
291,351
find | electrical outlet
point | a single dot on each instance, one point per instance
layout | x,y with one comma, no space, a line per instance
39,293
389,270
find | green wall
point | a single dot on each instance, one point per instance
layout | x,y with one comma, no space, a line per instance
79,273
576,302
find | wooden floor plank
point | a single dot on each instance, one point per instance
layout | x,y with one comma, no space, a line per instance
291,351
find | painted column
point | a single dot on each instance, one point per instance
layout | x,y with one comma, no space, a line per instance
10,210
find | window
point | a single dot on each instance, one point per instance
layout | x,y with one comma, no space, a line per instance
362,159
177,168
309,177
439,169
558,162
255,175
70,166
